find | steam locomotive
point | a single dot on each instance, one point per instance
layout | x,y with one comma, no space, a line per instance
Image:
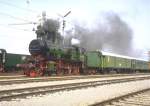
51,60
50,57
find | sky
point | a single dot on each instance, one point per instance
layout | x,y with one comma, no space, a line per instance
16,38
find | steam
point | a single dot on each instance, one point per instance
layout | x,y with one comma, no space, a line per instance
51,25
75,41
113,35
110,33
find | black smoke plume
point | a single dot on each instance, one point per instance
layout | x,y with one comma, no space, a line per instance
113,35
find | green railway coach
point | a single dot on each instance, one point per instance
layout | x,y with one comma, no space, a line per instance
116,63
8,61
93,62
93,59
107,62
13,59
141,65
128,63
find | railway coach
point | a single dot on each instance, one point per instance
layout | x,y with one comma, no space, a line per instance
2,59
141,65
9,61
13,59
103,62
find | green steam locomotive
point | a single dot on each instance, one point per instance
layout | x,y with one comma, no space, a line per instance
49,56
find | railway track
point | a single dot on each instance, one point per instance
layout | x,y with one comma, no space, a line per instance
11,76
138,98
45,79
23,92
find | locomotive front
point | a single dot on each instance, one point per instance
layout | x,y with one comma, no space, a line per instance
37,62
38,47
47,38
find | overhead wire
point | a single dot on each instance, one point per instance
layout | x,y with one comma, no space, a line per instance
18,18
19,7
13,5
14,17
8,26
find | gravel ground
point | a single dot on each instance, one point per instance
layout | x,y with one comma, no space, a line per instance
82,97
34,84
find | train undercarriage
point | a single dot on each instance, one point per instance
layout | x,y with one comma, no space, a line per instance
41,67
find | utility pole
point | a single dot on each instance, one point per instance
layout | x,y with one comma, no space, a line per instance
64,22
